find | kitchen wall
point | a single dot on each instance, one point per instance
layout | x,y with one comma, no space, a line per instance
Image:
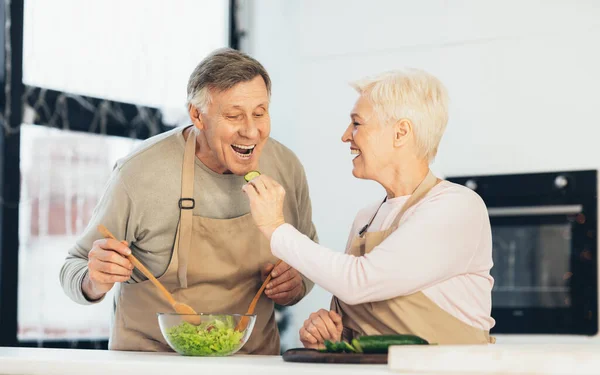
522,77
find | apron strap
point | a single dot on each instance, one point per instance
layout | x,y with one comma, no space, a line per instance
427,184
186,207
361,233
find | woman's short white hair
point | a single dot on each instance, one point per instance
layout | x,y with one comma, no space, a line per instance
414,95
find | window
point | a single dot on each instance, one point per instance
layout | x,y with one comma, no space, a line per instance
138,52
63,175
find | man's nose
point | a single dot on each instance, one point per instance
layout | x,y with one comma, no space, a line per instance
249,129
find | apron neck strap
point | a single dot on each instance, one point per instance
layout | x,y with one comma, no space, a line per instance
424,187
186,206
363,230
187,176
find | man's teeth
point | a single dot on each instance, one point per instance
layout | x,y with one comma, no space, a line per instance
243,151
354,151
245,147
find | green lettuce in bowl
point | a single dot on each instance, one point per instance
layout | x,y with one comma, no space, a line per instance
215,335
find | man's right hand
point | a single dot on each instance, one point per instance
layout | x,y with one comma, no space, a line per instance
320,326
107,265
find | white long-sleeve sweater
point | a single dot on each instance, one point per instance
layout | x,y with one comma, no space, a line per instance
442,247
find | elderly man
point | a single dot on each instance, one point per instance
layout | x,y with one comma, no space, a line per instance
177,202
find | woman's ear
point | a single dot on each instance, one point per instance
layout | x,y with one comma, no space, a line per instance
402,131
196,117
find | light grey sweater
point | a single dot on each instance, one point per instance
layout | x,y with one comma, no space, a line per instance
140,204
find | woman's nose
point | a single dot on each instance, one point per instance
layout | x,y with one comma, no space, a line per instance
347,136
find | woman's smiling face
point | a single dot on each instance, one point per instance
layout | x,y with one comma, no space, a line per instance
370,139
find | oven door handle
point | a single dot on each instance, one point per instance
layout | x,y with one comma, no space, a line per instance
572,209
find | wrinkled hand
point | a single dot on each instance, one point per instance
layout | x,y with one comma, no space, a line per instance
107,265
286,285
266,203
320,326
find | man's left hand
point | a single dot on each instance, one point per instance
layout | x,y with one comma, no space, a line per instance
286,285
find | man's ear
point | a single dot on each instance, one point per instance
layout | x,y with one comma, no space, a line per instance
196,116
402,131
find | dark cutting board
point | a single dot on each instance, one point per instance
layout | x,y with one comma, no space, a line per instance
314,356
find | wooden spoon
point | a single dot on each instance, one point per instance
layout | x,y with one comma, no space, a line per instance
243,323
179,307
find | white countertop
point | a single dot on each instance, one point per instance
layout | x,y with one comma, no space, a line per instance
33,361
547,359
408,360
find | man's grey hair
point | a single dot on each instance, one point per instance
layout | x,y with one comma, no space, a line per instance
220,71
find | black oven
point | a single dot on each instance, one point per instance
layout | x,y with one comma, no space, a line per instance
544,231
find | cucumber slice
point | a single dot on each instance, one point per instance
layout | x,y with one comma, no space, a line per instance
330,346
250,175
348,347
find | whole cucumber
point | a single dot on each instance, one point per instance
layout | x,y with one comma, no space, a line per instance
381,343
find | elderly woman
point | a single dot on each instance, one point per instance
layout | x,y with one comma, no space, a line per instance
417,263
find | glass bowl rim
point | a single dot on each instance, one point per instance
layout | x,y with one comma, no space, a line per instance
207,314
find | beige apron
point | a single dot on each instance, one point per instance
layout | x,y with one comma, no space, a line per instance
413,314
215,268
